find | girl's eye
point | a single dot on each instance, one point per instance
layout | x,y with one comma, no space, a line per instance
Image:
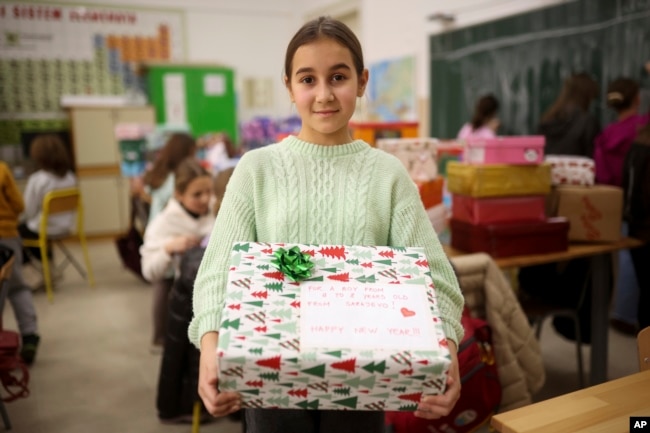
338,77
307,80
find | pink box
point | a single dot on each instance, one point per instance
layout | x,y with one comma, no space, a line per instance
505,150
498,210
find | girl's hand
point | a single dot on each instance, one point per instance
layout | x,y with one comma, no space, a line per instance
180,244
437,406
217,403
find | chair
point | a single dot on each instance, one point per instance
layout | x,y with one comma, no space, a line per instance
54,202
643,342
538,309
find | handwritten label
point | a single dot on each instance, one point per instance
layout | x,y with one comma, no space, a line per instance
373,316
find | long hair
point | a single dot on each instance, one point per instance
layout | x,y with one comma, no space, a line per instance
178,147
578,92
486,108
50,154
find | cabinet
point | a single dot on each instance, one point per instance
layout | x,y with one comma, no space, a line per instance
97,157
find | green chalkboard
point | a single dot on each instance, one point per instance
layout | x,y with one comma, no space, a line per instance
524,59
209,94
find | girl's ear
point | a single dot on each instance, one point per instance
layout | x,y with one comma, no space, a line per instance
363,82
288,86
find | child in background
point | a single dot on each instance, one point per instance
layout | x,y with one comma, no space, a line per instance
319,187
569,127
19,293
611,147
181,225
636,211
54,172
159,180
484,122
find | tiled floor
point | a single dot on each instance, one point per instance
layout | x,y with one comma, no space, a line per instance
94,372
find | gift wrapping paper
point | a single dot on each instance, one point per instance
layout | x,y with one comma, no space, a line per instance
362,332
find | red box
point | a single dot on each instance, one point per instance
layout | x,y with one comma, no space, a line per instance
498,209
431,192
511,239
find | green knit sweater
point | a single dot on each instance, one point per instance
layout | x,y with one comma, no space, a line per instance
299,192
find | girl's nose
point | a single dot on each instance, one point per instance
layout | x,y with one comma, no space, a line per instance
325,94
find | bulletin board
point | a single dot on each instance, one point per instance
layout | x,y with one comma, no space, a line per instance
48,50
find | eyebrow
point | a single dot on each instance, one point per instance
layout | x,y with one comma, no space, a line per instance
333,68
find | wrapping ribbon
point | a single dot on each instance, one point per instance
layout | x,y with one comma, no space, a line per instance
293,263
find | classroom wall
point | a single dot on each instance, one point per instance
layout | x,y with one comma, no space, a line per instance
251,35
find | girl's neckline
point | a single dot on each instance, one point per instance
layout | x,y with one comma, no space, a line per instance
319,150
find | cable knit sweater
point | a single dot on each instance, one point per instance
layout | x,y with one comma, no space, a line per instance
299,192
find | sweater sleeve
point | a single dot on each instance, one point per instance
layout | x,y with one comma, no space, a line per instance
155,260
13,196
235,223
411,226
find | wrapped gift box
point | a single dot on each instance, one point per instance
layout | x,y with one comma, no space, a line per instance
511,239
431,192
505,150
417,154
498,180
498,209
361,333
595,212
571,170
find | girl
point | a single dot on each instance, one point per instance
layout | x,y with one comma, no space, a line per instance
160,179
182,224
569,127
20,295
54,171
319,187
611,146
636,184
484,122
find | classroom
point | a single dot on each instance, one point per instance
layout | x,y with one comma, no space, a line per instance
294,207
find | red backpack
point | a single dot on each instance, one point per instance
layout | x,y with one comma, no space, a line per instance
481,390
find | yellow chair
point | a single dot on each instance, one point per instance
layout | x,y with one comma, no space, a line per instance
54,202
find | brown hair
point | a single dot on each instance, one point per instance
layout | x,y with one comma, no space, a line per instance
324,27
178,147
220,183
578,92
621,93
486,108
188,170
50,154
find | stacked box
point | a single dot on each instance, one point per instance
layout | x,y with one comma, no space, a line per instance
594,212
571,170
362,332
498,200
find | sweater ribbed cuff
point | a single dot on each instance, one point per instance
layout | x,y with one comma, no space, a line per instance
208,322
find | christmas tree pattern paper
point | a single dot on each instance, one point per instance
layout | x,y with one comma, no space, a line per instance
362,332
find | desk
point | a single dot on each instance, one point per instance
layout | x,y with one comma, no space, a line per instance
602,408
601,273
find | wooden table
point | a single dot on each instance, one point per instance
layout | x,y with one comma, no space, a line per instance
601,273
604,408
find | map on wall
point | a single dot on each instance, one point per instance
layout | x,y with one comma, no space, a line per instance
391,90
50,50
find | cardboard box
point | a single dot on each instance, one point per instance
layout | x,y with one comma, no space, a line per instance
594,212
361,333
498,209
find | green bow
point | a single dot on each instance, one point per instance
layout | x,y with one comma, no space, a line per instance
293,263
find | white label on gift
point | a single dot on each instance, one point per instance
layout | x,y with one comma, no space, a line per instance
377,316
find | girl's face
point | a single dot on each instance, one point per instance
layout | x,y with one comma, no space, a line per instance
196,197
324,86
